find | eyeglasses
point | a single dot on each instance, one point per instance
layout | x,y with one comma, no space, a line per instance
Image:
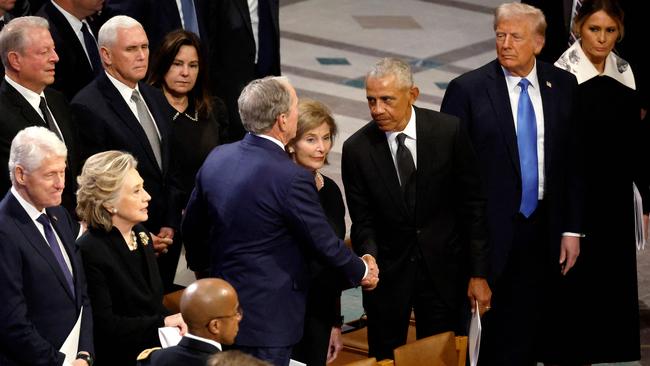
239,312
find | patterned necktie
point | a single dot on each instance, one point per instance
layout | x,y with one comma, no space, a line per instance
406,170
147,125
189,17
91,48
56,250
527,143
49,120
573,36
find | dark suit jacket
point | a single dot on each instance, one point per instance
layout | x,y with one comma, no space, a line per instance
252,215
17,114
73,71
106,123
232,52
449,215
188,352
38,311
126,299
480,98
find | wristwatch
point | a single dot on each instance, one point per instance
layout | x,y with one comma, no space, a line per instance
86,357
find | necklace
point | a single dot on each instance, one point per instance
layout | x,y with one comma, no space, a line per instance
133,245
195,118
320,181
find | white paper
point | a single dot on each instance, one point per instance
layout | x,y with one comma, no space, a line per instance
293,362
71,345
169,336
474,337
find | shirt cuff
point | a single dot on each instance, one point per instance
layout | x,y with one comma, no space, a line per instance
575,235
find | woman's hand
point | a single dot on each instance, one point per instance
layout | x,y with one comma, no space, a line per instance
177,321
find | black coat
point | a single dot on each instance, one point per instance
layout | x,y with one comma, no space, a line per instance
188,352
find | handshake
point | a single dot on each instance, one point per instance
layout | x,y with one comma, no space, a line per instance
372,278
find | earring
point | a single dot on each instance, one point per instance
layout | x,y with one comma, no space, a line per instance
291,150
114,210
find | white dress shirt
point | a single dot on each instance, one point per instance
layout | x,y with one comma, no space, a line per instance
209,341
255,22
126,92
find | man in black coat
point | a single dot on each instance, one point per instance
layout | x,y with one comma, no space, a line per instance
413,189
211,310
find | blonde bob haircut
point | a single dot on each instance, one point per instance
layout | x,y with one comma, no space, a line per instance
312,114
99,184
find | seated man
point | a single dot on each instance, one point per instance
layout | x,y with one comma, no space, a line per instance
210,308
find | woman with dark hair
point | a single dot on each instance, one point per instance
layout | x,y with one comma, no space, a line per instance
199,120
593,311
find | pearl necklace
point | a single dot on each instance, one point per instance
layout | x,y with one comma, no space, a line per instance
195,118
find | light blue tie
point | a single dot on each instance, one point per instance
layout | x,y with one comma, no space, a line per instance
190,17
527,143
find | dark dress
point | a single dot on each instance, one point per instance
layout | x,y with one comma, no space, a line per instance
125,293
594,315
192,141
323,301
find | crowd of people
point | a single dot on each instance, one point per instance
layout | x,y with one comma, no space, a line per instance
512,200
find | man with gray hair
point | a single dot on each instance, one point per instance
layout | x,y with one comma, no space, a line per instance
27,52
253,217
117,111
45,316
414,194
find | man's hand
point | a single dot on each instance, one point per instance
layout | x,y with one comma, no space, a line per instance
569,251
336,344
176,320
79,362
164,239
478,290
372,278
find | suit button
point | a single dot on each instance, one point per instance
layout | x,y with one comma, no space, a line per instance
418,231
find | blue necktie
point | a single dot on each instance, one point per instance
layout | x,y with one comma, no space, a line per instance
189,17
91,48
54,246
527,143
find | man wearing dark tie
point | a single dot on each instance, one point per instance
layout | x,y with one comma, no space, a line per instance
79,60
118,112
27,52
519,112
45,316
413,189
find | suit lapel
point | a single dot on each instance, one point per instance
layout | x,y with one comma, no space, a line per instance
549,106
37,241
242,6
28,112
426,156
500,99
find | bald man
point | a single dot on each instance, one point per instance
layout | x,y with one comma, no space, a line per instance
210,307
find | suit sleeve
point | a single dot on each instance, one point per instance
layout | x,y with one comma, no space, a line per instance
456,103
363,233
19,338
305,213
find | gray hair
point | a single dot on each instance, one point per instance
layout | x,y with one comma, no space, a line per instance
262,101
518,10
108,32
392,66
31,146
13,36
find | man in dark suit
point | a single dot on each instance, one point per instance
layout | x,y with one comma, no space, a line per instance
252,217
76,46
118,112
519,114
244,44
45,317
26,100
414,194
210,308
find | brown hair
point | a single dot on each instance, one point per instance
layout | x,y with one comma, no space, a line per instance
312,114
610,7
164,57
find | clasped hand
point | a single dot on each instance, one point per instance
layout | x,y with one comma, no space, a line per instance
372,278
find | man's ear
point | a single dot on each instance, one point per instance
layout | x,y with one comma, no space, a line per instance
19,174
14,60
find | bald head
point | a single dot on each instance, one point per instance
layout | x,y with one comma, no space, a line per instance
210,308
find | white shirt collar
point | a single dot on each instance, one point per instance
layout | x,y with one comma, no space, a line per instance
73,20
576,62
513,80
273,139
29,208
33,98
409,130
125,90
210,341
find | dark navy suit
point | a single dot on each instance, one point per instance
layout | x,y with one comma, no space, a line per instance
37,310
188,352
251,217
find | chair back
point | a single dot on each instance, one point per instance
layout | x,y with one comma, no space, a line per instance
437,350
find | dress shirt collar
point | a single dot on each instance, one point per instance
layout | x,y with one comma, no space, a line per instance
409,130
513,80
33,98
75,22
125,91
209,341
272,139
576,62
28,207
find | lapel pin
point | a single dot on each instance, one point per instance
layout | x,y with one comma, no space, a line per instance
548,83
55,218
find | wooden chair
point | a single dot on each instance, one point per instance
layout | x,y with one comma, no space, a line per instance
461,349
437,350
365,362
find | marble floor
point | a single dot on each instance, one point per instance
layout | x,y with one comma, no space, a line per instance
328,45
